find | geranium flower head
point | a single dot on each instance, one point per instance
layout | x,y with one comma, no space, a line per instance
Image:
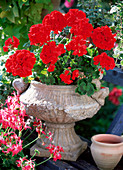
21,63
103,38
105,61
73,16
55,21
83,27
39,34
10,44
77,44
51,52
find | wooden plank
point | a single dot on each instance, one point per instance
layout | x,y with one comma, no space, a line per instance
58,165
114,76
116,126
83,165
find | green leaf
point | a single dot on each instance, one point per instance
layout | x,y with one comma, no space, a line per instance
90,89
121,62
3,14
15,10
50,80
82,88
34,12
13,30
43,1
10,16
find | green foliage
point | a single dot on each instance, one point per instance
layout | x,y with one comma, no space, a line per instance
117,13
85,87
16,17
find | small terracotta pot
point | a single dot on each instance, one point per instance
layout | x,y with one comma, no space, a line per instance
107,150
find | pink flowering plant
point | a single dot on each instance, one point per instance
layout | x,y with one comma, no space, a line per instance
12,138
68,50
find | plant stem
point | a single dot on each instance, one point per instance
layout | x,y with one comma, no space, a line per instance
54,36
30,143
44,161
25,132
33,155
29,135
62,40
6,129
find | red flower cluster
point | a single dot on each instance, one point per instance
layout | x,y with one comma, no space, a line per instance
114,95
73,16
13,116
66,77
51,68
50,54
75,74
79,23
26,164
10,44
83,28
21,63
55,151
105,61
11,143
103,38
39,34
77,45
55,21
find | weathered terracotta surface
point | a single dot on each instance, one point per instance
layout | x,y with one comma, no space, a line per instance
60,107
107,150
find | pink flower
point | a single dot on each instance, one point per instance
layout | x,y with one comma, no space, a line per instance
69,4
25,164
55,151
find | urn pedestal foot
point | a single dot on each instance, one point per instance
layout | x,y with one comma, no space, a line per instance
65,136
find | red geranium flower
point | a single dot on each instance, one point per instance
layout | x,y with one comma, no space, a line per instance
21,63
55,20
105,61
10,44
83,27
39,34
51,52
114,95
75,74
77,45
66,77
73,16
103,38
51,68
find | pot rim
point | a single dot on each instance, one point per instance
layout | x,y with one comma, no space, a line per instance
107,144
39,83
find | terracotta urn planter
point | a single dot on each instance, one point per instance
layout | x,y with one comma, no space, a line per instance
60,107
107,150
